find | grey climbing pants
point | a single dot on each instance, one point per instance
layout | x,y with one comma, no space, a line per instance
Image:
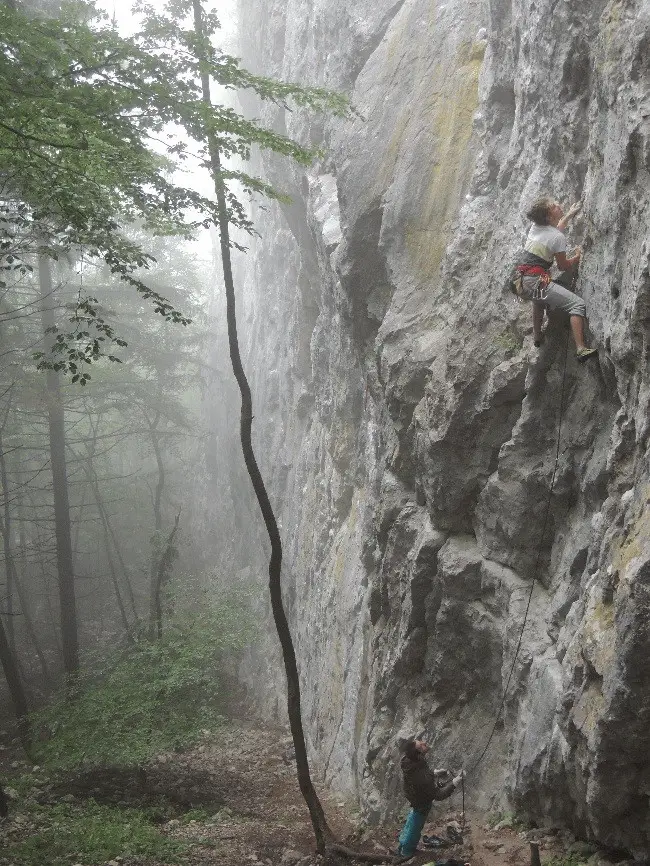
556,297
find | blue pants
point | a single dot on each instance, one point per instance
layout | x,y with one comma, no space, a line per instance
411,832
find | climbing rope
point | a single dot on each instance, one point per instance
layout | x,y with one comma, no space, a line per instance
462,820
537,561
534,580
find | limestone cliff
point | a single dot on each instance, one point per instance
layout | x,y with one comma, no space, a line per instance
406,424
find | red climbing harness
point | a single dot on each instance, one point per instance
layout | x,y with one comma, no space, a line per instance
538,292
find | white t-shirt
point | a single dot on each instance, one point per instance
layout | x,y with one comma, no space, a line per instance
545,242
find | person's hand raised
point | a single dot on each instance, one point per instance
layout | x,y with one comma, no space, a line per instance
575,208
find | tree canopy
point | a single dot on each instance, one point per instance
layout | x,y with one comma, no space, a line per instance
96,130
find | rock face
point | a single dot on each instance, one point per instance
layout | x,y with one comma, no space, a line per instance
407,427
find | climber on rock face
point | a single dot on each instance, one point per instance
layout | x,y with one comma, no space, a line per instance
545,244
422,786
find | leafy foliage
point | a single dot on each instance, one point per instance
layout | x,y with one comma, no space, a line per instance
80,346
90,834
156,696
93,127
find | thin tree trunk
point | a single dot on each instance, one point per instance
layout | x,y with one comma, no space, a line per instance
116,588
50,609
160,485
9,598
164,565
14,682
39,546
126,574
322,831
20,577
154,595
108,528
29,626
10,567
56,421
90,446
89,472
12,572
77,532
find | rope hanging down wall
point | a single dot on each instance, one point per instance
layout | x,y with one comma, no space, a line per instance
538,556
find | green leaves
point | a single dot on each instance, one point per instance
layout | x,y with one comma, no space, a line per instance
153,697
69,350
94,129
82,105
91,833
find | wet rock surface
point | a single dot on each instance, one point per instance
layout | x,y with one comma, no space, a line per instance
409,429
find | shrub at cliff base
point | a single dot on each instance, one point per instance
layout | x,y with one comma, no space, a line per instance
150,698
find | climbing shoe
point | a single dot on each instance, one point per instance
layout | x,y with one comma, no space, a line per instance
538,341
585,352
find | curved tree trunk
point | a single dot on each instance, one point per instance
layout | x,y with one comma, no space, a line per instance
325,840
317,814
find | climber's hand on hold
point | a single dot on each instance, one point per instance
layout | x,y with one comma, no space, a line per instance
573,210
459,778
568,216
565,262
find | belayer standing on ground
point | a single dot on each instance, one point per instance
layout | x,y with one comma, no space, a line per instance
422,786
545,244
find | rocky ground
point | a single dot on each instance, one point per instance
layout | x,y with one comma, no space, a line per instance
246,809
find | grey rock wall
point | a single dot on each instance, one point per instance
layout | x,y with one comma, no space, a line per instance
407,426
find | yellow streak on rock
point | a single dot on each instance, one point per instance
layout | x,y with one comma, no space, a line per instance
636,541
452,108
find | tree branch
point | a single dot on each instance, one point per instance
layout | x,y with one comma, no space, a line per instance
28,137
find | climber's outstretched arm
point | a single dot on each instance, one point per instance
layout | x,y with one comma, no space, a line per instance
568,216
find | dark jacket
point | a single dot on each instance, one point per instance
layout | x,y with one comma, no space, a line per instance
420,785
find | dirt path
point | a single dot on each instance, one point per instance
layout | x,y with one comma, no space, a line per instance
263,818
237,803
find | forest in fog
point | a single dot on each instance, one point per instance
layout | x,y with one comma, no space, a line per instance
300,480
123,190
121,180
108,319
107,463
